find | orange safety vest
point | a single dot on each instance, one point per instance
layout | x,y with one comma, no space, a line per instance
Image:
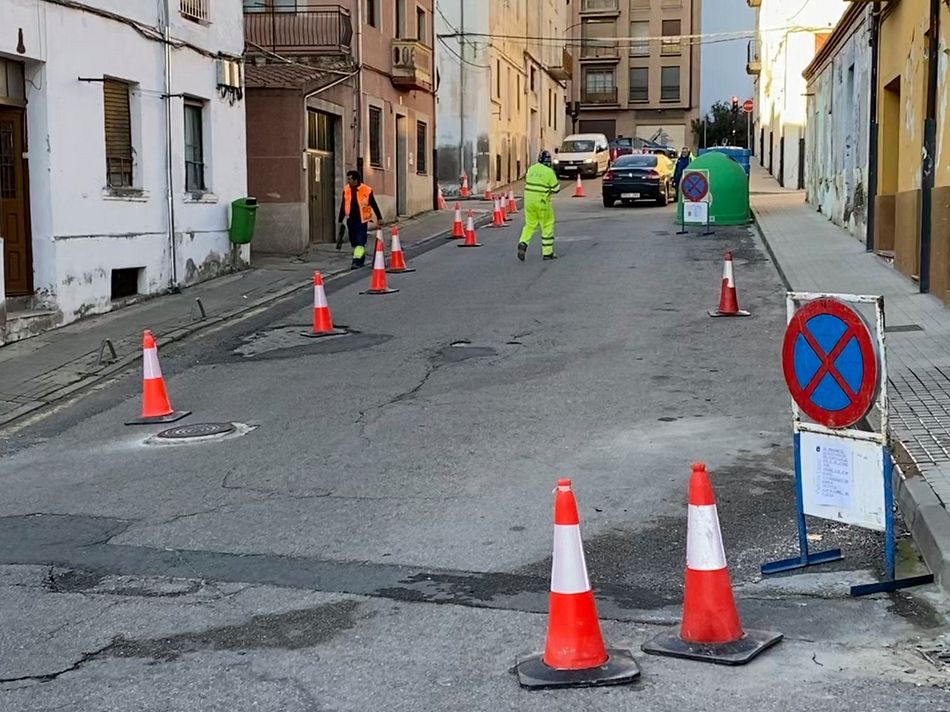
362,197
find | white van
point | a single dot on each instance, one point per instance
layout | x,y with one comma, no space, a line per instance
584,154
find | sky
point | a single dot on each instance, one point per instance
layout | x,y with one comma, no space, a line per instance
723,63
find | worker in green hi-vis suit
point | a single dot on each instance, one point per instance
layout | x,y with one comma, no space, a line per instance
539,185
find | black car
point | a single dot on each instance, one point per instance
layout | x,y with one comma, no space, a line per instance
639,177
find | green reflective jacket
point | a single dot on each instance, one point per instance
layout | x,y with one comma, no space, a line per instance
539,183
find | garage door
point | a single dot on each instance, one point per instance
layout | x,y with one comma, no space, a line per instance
608,127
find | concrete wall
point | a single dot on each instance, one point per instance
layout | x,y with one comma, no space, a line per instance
82,230
836,132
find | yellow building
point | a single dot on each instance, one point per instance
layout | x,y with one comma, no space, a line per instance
917,232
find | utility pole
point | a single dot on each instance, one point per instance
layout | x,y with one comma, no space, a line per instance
462,87
930,146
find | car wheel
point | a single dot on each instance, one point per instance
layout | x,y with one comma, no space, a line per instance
664,197
608,202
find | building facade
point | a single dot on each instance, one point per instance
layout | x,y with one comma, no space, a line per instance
117,166
837,127
502,84
787,37
330,88
636,68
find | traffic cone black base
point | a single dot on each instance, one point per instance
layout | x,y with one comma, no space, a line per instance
718,314
159,419
620,669
335,331
738,653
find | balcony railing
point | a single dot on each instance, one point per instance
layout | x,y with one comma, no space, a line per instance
753,64
599,49
196,10
300,28
603,96
602,6
412,65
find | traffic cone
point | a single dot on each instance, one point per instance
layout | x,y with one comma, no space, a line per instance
574,653
497,219
465,192
488,195
512,203
156,407
503,202
470,239
322,321
458,231
579,188
728,298
377,283
397,260
710,629
442,204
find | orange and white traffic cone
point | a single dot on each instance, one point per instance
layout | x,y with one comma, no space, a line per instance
377,283
497,219
156,407
442,204
512,203
322,320
728,298
397,260
710,629
464,191
503,202
458,230
579,188
488,193
470,239
574,652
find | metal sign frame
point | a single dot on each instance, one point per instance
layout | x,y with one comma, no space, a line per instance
879,437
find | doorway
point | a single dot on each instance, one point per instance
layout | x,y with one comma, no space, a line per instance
321,177
402,165
14,203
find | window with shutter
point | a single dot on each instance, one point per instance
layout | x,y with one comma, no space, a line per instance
118,129
194,147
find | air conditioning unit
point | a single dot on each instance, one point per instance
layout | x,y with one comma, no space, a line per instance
230,74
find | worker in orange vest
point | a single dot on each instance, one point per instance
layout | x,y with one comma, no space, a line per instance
357,208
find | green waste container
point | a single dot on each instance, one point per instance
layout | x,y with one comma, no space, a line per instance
243,217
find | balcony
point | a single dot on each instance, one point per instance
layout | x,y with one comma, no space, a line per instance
605,96
599,49
565,71
412,65
299,29
753,64
600,7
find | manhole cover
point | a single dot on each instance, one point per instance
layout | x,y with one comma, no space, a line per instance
197,430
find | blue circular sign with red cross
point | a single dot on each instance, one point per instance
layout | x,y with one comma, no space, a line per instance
831,363
695,186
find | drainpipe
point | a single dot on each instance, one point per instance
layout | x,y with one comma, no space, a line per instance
930,147
169,167
873,137
359,87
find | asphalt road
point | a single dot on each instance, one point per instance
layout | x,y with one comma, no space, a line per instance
377,534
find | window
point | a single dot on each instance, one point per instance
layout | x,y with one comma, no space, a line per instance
372,13
498,78
672,46
639,84
599,80
533,79
400,18
518,91
196,10
421,26
597,38
640,4
319,131
118,128
670,84
422,148
640,45
376,136
194,147
12,87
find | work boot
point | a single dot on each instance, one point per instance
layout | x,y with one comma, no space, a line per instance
552,256
522,249
355,264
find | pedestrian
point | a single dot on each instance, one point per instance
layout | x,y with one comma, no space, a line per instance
357,208
540,184
682,163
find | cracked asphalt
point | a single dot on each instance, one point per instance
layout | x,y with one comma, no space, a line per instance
378,536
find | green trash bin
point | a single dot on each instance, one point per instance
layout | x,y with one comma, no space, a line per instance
243,217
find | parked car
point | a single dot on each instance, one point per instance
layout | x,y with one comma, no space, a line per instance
639,176
582,154
625,146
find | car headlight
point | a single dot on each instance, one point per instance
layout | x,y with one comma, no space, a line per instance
556,162
588,160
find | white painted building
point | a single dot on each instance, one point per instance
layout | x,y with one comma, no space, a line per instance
788,34
839,110
118,163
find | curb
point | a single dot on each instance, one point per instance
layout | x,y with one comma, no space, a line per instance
925,516
339,279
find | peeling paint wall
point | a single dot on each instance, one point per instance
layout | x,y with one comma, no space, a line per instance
836,135
81,229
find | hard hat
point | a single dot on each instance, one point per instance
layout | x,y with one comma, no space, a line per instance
545,158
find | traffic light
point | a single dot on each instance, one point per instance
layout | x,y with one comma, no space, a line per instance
735,105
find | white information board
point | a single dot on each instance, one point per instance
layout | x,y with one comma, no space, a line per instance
843,480
695,212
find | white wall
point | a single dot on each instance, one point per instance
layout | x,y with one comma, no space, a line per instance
81,230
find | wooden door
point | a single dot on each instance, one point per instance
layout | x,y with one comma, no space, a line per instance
14,204
322,203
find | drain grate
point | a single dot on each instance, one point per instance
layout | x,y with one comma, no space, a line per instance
920,411
902,328
197,430
939,656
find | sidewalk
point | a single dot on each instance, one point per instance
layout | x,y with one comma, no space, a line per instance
46,368
813,254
